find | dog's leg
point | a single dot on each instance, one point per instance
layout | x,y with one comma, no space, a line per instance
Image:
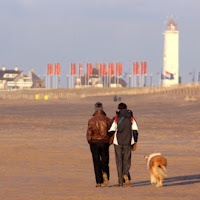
153,179
157,181
161,180
153,175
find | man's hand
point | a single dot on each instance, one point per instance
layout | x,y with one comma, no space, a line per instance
89,142
134,147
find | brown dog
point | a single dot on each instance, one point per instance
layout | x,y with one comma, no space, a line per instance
156,164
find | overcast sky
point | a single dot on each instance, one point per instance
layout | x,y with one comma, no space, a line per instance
37,32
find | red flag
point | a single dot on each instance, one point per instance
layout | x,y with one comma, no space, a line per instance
145,67
135,68
118,69
49,69
142,68
73,69
89,69
102,69
110,69
80,69
57,69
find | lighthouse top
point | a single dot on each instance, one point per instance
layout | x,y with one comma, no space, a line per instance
172,26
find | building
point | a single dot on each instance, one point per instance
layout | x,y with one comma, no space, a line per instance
95,80
170,74
37,82
16,79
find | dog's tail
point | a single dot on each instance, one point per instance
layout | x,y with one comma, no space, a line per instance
160,170
164,170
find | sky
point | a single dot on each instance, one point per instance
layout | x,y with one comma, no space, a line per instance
36,32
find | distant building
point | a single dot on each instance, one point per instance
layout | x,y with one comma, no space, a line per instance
170,74
95,80
37,82
16,79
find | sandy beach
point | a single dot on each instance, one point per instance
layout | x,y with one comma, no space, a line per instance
44,153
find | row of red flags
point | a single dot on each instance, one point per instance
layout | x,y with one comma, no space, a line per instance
102,69
136,68
112,69
56,69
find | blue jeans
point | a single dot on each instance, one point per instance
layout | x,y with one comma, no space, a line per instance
123,160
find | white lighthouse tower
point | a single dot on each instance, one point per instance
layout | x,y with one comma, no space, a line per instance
170,75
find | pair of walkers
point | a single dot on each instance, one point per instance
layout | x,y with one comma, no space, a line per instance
122,131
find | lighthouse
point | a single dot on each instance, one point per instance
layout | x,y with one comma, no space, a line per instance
170,74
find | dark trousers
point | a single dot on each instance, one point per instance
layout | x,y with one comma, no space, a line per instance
123,161
100,155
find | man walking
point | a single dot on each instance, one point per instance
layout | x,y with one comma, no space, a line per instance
98,139
125,129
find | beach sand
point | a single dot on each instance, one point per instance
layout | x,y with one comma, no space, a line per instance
44,153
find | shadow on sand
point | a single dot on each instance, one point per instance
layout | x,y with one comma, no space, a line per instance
182,180
173,181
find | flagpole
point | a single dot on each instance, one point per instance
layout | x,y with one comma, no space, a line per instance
80,72
46,76
49,82
53,81
67,78
159,78
70,70
46,81
131,80
71,81
85,73
115,75
75,79
70,77
58,83
100,66
107,75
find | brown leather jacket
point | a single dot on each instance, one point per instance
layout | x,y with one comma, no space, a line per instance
98,126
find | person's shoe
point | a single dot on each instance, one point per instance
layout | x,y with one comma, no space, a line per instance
98,185
127,181
120,185
105,179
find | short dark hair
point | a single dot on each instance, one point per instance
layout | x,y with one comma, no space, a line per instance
122,106
98,106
